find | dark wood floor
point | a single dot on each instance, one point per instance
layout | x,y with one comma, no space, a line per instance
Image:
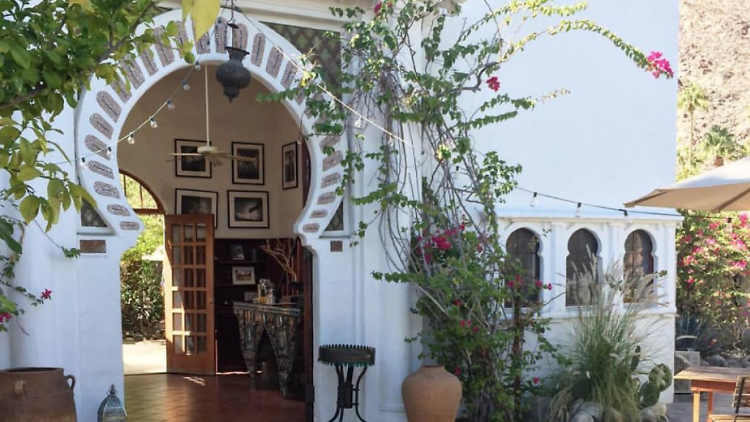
223,398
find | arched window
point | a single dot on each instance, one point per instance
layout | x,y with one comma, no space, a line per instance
139,196
582,269
523,245
637,262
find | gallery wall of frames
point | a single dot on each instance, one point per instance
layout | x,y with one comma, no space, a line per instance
258,198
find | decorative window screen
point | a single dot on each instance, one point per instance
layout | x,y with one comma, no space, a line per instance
523,245
90,217
582,269
637,262
324,50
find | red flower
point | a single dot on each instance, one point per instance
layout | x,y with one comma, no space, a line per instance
539,284
5,317
476,328
493,83
465,323
457,302
511,284
378,7
457,371
536,380
549,286
46,294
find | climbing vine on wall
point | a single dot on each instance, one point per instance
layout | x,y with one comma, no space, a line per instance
434,195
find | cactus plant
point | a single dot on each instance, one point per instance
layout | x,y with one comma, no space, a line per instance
659,379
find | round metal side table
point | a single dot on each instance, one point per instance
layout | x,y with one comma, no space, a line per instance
347,357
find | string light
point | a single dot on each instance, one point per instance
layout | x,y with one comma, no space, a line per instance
534,199
152,123
627,217
82,163
170,105
198,65
358,123
131,138
578,210
185,86
109,152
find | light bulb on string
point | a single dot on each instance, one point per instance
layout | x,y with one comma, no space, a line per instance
628,220
82,163
185,86
170,105
198,66
153,123
109,152
358,123
730,229
131,138
534,199
578,210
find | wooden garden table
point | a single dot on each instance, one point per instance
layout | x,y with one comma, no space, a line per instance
711,379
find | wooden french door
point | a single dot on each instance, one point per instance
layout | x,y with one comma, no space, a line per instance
189,295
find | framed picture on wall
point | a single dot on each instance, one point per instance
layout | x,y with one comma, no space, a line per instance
191,164
248,210
189,201
289,166
243,275
250,170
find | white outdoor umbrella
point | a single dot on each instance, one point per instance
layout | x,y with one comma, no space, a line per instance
726,188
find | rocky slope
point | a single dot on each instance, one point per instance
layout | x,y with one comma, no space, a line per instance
715,54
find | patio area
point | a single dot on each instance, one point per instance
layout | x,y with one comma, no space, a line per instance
223,398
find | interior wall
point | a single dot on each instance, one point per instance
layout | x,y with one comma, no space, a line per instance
244,120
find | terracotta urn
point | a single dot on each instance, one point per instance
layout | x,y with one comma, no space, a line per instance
431,394
37,395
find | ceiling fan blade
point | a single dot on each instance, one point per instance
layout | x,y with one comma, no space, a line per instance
216,161
185,154
246,159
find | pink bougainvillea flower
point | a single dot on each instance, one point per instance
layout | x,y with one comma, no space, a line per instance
493,83
510,283
743,219
687,238
714,226
539,284
690,281
741,264
658,65
46,294
537,380
739,244
457,371
549,286
5,317
457,302
476,328
699,233
378,6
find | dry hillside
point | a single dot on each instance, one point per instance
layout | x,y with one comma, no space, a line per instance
715,54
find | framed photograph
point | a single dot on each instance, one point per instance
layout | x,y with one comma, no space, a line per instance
190,166
248,209
196,202
289,166
238,254
250,172
243,275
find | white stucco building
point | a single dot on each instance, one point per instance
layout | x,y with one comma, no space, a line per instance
610,140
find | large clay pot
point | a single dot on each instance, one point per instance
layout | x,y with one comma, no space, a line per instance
431,394
37,395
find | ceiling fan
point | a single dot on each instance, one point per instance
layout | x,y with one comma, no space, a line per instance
211,153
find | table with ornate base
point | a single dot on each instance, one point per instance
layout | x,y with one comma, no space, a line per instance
283,325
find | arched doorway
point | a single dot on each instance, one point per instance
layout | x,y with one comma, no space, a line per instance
105,109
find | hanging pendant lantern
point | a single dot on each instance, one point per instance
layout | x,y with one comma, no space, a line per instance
111,409
232,74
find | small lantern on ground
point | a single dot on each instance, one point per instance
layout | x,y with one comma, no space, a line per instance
232,74
111,409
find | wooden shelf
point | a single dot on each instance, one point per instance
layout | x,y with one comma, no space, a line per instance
234,285
241,262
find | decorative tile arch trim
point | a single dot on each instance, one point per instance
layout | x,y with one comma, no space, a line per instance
103,111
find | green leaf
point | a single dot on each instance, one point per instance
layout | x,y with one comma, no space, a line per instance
28,173
4,46
29,208
52,79
187,6
204,13
28,153
20,55
79,193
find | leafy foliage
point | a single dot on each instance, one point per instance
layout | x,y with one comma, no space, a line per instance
606,354
437,218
